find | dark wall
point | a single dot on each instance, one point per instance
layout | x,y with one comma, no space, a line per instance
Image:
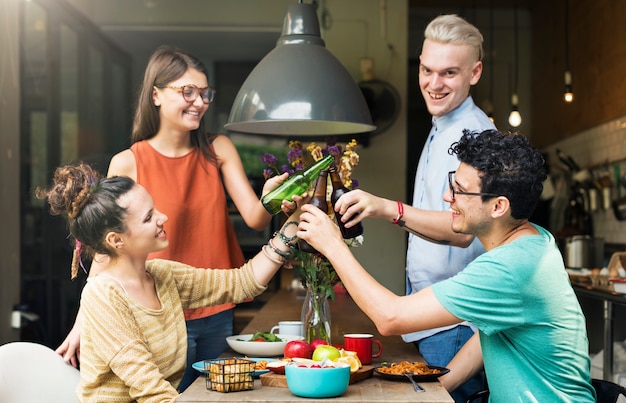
597,38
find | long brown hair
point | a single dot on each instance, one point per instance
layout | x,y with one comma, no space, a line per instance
166,65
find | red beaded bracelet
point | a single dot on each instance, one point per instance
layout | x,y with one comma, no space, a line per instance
400,212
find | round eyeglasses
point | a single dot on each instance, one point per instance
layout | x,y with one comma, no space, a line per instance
190,92
459,192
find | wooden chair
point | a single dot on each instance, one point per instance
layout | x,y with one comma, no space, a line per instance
34,373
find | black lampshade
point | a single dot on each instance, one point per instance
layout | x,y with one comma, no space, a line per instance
300,88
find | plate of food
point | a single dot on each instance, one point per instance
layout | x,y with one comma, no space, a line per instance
260,366
260,344
420,370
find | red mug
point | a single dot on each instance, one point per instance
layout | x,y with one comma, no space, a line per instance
362,343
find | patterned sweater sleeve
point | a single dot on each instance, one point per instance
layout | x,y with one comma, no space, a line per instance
115,340
207,287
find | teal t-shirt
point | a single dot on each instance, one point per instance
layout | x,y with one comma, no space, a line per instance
532,330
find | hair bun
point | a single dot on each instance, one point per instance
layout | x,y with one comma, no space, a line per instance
71,189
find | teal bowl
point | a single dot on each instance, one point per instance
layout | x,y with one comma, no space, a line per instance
317,382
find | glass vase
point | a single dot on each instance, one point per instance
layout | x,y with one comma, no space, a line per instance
315,316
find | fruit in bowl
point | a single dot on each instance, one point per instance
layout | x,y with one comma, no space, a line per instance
319,380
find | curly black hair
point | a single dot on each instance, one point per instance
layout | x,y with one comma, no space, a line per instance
509,166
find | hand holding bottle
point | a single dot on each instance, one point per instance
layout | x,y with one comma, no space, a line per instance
272,183
339,190
296,184
356,205
318,200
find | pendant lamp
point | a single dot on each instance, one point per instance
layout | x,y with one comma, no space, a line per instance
568,93
515,117
300,88
490,114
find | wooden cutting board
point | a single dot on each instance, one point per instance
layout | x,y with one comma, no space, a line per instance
280,381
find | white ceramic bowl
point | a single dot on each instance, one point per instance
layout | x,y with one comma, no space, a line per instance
241,344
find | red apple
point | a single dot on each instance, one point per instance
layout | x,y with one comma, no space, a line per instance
318,342
298,349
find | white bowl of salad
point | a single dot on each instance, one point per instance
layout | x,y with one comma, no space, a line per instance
260,344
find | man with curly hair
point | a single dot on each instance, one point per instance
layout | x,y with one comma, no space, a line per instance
531,335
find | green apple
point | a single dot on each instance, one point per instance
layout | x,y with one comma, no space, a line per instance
325,351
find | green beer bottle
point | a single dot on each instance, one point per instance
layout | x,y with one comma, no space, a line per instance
296,184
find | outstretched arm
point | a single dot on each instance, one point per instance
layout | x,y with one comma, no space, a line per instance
434,226
387,310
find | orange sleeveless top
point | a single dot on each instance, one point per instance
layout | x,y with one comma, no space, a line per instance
189,190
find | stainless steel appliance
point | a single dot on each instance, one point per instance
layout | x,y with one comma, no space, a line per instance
583,251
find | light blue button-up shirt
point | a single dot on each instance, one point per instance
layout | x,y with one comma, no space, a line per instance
426,262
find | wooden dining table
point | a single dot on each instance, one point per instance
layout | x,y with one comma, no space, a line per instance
346,317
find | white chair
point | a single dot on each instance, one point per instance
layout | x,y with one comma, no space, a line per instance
34,373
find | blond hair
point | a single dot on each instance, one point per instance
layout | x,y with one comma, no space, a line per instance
450,28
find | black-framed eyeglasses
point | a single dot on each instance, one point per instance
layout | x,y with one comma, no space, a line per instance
458,192
190,92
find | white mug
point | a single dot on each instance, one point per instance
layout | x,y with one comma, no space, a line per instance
291,327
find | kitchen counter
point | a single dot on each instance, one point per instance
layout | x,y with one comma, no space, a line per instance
346,317
609,299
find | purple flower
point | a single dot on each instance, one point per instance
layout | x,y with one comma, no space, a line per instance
268,173
269,159
334,151
294,154
355,183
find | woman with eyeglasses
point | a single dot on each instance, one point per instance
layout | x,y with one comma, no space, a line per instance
188,172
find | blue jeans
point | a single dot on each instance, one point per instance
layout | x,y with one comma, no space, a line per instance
206,339
440,348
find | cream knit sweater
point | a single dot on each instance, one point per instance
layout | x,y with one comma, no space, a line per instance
131,353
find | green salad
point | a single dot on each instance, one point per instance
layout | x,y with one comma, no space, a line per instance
264,337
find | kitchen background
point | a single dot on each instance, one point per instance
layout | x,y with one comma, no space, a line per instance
525,44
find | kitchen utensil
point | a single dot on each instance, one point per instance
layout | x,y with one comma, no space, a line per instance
583,251
619,208
567,161
416,385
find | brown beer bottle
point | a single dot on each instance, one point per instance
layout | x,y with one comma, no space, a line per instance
338,190
319,201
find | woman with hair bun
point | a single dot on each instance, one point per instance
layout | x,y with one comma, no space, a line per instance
133,334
